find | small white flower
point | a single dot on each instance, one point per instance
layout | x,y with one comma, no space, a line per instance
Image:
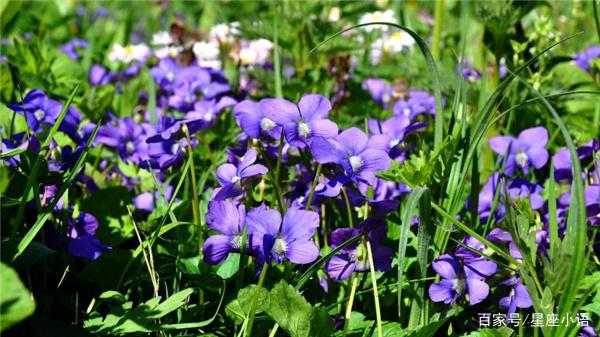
163,52
161,39
224,33
378,16
334,14
397,41
255,52
207,54
127,54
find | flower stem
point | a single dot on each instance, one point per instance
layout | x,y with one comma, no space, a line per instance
252,312
277,175
350,302
375,291
274,330
195,200
348,209
313,186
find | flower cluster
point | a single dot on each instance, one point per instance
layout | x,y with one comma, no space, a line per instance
322,166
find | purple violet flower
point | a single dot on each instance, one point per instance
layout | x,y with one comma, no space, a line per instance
355,257
418,103
127,137
83,242
73,47
164,73
291,239
381,91
389,135
232,177
518,297
585,59
354,152
523,189
303,122
97,75
252,120
459,279
592,204
228,219
528,149
206,113
38,109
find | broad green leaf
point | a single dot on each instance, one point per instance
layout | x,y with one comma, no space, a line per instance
229,267
290,310
16,302
238,309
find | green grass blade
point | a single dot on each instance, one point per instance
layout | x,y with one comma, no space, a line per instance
419,307
409,210
12,153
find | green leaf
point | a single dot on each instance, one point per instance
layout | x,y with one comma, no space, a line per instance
16,302
229,267
409,211
290,310
238,309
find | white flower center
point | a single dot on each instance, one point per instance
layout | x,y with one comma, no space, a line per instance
129,147
267,124
522,159
360,257
236,241
209,115
385,98
460,284
406,112
175,148
280,246
235,179
355,163
394,142
39,114
303,129
170,76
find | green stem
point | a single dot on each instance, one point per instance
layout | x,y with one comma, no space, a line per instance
375,291
195,200
277,175
437,29
348,209
313,186
274,330
252,312
350,302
